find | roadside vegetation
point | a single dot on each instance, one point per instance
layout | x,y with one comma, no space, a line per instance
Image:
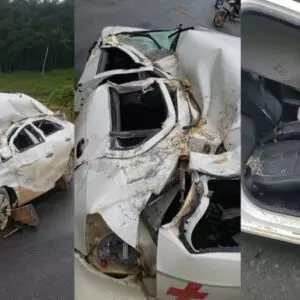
54,88
36,50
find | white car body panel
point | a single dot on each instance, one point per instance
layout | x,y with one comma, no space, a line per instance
93,285
208,269
36,170
256,220
118,184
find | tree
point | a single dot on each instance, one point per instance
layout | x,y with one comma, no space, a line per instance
28,27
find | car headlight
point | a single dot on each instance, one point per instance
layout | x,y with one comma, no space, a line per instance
107,252
112,249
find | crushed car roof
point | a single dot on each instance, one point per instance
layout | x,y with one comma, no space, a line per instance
16,107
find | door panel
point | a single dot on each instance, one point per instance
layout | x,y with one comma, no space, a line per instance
61,142
32,164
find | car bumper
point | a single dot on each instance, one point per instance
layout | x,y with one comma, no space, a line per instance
93,285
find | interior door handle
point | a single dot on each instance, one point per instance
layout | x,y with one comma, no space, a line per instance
50,154
68,139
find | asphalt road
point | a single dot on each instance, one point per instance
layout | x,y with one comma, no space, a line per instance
270,269
37,264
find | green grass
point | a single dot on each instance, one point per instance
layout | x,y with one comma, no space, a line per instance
55,87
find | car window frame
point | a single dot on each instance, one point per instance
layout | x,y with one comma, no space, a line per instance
116,133
168,126
61,127
21,128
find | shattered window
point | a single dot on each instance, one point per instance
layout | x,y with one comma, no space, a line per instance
27,138
136,115
152,43
47,126
115,59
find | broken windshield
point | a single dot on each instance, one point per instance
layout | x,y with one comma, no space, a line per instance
150,43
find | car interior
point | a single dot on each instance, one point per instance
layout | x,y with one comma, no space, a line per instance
220,225
217,229
270,102
136,115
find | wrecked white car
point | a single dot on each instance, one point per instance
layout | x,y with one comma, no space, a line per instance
157,151
35,151
271,119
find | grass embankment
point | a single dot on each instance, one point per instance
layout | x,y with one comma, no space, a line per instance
54,89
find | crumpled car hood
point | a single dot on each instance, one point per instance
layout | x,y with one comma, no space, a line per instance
15,107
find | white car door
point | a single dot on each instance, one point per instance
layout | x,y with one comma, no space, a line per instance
60,138
32,163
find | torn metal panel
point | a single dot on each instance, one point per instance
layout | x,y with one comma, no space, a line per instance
214,259
127,184
156,209
226,164
89,83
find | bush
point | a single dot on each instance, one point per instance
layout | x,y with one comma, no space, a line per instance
64,95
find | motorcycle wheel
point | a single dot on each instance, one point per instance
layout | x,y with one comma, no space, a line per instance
219,19
219,4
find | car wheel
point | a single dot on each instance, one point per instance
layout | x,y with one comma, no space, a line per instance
219,19
63,182
5,208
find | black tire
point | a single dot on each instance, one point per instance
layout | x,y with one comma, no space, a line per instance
219,4
63,183
5,207
219,19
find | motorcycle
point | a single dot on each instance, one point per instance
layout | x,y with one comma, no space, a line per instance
229,11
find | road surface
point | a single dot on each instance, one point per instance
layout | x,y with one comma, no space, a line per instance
37,264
